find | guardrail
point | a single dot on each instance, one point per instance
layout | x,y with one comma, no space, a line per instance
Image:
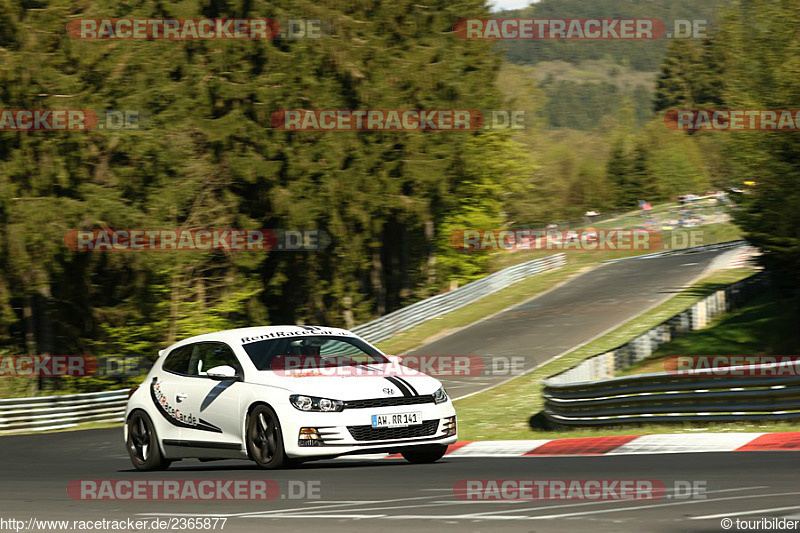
61,412
398,321
670,397
588,394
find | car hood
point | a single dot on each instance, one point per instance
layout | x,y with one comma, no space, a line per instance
346,384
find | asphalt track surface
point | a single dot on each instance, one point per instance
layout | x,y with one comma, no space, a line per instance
548,325
392,495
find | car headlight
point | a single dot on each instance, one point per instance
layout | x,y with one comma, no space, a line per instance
440,396
312,403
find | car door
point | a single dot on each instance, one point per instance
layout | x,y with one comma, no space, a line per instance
213,404
164,391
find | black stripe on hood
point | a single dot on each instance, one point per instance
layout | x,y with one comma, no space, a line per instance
400,385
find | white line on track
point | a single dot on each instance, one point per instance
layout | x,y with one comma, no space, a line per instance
462,502
671,504
353,516
744,513
582,504
325,505
314,512
343,509
737,489
492,515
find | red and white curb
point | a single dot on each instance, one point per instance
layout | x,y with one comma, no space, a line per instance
745,257
623,445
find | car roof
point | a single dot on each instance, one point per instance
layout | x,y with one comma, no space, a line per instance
257,333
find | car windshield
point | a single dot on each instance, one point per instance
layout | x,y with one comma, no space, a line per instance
330,350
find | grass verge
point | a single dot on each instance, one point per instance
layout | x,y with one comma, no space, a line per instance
759,327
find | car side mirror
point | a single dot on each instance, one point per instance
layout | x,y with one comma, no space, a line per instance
222,372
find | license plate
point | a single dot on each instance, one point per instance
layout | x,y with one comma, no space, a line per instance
397,420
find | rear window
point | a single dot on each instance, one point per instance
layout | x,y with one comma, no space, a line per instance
196,359
177,360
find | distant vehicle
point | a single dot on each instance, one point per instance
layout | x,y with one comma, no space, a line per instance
222,395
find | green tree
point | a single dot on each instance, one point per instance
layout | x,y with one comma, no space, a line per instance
763,61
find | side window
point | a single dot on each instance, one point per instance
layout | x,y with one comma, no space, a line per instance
207,355
177,360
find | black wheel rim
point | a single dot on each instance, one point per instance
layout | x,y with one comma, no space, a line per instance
139,439
264,436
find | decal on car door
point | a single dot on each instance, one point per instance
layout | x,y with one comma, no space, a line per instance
174,415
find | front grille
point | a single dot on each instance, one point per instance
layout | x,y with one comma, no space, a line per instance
426,429
388,402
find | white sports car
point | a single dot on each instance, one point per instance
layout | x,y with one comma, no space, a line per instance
284,394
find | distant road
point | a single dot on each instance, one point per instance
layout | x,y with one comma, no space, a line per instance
579,310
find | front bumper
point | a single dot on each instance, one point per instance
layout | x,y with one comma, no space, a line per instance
350,431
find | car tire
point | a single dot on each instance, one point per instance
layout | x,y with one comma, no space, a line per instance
142,444
265,439
424,454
